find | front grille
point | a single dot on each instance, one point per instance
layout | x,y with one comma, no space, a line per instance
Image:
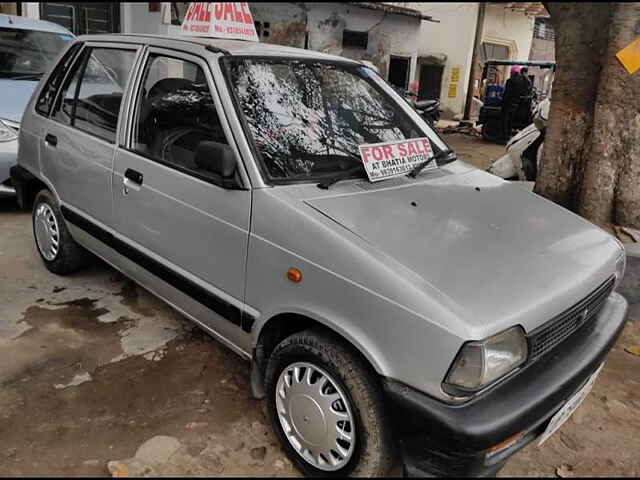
549,335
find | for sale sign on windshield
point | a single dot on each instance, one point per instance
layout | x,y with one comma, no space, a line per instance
386,160
219,20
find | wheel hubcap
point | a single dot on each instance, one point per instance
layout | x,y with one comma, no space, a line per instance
47,232
315,416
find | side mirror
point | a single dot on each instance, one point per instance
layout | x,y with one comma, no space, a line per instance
218,160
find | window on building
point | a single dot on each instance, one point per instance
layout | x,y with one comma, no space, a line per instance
543,29
178,11
174,114
399,72
262,29
495,51
353,39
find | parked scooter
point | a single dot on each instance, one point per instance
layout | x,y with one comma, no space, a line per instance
429,110
524,150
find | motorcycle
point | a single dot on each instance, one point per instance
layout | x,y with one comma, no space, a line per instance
429,110
524,150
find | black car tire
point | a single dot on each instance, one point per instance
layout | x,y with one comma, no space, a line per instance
70,256
373,451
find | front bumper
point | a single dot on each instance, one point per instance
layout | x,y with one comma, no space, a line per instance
447,439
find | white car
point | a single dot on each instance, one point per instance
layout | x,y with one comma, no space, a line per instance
27,49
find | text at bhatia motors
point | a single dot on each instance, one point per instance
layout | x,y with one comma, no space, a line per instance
385,160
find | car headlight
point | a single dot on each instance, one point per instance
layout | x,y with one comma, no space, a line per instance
7,133
621,265
480,363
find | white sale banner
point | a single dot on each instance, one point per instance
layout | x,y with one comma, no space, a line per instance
386,160
219,20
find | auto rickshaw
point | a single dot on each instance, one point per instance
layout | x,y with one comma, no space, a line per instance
490,116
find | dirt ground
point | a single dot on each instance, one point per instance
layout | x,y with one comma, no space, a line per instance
92,367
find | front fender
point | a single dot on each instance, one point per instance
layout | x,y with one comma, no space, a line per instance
399,341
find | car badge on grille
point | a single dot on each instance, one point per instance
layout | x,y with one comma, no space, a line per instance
583,316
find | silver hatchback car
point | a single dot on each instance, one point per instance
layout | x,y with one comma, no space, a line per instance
446,315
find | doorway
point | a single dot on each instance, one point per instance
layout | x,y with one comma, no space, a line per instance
83,18
430,82
399,72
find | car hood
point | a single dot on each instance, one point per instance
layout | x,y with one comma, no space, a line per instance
14,96
499,254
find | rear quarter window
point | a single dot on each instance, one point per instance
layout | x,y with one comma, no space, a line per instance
48,93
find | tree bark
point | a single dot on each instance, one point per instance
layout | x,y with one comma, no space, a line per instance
581,39
611,185
591,158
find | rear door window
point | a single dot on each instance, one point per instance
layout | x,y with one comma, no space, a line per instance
174,113
92,96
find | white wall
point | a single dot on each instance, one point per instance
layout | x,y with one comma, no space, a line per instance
136,18
31,10
449,43
509,28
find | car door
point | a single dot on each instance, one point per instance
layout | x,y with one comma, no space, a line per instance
78,139
176,221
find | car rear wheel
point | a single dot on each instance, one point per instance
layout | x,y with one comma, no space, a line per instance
59,252
325,405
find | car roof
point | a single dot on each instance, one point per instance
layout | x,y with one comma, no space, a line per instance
24,23
232,47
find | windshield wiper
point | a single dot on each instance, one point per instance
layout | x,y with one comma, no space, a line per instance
446,154
27,76
341,176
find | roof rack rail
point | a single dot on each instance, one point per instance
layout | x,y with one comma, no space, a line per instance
213,49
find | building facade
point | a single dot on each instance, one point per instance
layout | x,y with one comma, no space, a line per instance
427,47
445,54
385,35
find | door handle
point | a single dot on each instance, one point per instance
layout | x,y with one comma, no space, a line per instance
134,176
51,139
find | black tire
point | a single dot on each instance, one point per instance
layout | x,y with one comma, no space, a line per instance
374,451
70,256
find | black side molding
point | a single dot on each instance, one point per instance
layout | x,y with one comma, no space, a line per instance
170,276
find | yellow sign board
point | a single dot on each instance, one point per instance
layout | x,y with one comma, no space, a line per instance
453,90
629,56
455,74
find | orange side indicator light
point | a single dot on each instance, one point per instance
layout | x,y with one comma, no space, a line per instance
505,444
294,275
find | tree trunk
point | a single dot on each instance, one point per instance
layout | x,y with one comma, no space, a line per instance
581,36
611,185
591,158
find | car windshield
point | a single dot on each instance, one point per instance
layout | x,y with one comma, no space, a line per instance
307,118
28,53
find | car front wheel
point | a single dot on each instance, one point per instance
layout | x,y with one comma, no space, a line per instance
325,405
